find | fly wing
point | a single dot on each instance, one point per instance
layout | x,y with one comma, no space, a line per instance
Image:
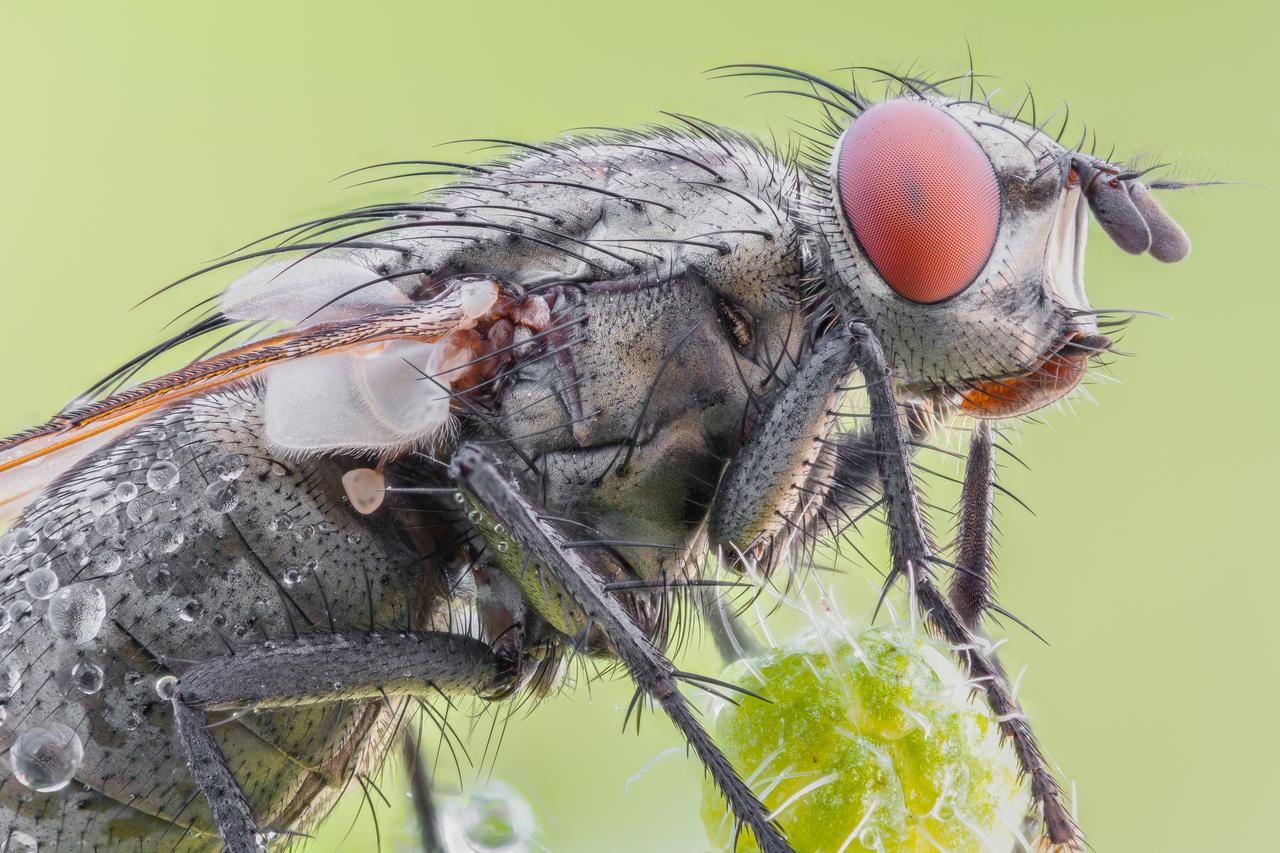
379,380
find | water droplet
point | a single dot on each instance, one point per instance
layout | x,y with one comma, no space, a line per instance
139,512
164,452
10,681
191,610
133,721
353,538
304,533
53,529
25,540
219,620
474,516
107,525
103,502
126,491
291,577
502,546
168,538
497,818
159,578
499,529
162,476
19,611
240,631
220,496
107,562
46,757
166,686
5,622
135,464
20,842
230,466
87,678
459,498
76,612
42,582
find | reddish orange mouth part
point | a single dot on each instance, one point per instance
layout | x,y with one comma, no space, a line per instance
1012,396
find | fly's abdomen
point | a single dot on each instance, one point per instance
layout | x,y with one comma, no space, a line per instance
182,541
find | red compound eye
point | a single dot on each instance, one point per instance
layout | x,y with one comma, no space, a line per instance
921,198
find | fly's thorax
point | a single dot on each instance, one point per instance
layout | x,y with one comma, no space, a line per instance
629,424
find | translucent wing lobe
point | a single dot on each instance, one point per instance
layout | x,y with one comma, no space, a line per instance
379,381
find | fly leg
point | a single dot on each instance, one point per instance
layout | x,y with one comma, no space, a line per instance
309,671
424,806
970,591
913,558
477,473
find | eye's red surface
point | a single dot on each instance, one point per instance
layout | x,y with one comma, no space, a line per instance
921,198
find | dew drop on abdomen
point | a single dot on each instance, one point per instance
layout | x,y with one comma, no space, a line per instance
87,678
162,476
76,612
46,757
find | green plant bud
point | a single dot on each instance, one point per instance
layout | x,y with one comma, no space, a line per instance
871,743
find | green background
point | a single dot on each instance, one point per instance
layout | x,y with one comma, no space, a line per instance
139,140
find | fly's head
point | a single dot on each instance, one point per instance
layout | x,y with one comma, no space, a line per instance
960,234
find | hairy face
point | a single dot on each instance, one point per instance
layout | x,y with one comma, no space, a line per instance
959,233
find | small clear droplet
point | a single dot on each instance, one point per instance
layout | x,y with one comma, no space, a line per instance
76,612
168,538
103,502
221,496
139,512
499,529
230,467
291,578
126,491
42,582
19,611
459,498
166,686
162,476
353,538
46,757
87,678
20,842
502,546
107,562
107,525
10,680
25,540
191,610
474,516
133,721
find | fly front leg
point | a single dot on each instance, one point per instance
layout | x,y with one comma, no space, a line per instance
914,558
477,473
310,671
760,490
